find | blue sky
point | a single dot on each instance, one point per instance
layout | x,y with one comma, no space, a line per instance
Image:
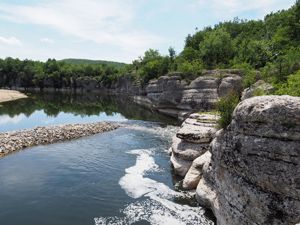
118,30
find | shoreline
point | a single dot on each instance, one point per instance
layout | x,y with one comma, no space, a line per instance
18,140
10,95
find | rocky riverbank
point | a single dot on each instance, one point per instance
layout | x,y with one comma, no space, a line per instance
18,140
170,94
250,173
9,95
174,96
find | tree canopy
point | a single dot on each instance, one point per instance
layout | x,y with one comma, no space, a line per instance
271,46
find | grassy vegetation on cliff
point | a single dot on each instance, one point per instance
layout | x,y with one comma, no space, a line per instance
226,106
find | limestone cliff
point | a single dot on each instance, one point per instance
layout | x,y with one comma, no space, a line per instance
251,175
175,97
170,94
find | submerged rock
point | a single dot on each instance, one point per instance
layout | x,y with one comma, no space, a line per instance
18,140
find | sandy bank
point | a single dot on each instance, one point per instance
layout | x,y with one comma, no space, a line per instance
9,95
18,140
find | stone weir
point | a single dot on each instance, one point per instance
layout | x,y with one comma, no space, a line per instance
18,140
250,173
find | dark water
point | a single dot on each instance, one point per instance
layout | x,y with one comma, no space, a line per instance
119,177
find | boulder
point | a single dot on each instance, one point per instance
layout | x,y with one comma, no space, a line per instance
180,166
268,116
195,131
229,84
194,174
186,150
258,88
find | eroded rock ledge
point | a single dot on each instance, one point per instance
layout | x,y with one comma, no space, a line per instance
251,173
190,148
18,140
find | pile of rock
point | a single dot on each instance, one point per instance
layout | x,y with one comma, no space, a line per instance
18,140
190,148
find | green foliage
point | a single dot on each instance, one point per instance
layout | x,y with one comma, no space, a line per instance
267,48
52,73
216,48
291,87
93,62
249,74
226,106
191,69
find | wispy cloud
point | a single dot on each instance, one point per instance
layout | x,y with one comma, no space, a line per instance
47,40
232,8
103,22
10,41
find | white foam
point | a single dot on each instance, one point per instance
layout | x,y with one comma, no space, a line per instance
158,208
134,183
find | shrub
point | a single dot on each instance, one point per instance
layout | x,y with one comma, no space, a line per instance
226,106
249,74
292,87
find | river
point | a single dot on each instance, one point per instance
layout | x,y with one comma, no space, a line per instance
118,177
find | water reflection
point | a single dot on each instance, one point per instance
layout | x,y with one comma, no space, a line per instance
42,109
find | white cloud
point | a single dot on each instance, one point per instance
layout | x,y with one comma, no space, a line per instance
100,21
47,40
232,8
11,120
10,41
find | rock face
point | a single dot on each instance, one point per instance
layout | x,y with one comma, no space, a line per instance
174,96
170,94
190,147
18,140
260,87
255,171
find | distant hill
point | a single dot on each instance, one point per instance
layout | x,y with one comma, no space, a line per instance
89,61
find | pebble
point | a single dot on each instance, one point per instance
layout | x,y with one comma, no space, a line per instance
18,140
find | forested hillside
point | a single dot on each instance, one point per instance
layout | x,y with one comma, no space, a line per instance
270,46
93,62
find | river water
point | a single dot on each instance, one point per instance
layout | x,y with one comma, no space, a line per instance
118,177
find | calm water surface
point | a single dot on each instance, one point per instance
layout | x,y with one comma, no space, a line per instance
119,177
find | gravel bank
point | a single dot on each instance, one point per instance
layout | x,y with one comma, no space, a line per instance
8,95
18,140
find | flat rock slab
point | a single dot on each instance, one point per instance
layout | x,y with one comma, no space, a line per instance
18,140
198,128
186,150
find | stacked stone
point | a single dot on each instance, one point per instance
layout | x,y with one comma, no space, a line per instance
190,148
18,140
